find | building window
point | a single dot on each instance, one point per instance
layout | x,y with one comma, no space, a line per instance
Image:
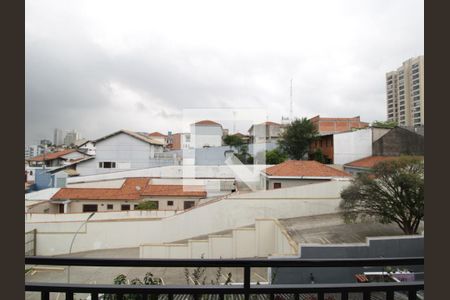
189,204
107,165
125,207
277,185
109,206
169,203
135,206
416,87
415,76
90,207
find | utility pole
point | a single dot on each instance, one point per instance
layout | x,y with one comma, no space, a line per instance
291,114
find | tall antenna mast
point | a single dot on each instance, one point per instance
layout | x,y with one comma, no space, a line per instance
290,109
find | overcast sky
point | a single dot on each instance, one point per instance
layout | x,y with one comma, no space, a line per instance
100,66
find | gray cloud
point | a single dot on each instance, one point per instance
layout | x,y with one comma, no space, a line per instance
90,70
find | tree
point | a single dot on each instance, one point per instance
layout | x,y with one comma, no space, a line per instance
319,156
296,138
393,192
244,156
233,141
147,205
275,156
384,124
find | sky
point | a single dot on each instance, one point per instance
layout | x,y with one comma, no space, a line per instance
100,66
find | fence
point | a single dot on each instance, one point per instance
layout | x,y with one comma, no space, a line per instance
30,243
246,289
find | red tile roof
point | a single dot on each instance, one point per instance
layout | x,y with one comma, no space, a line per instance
156,133
370,161
132,189
207,123
51,156
306,168
174,190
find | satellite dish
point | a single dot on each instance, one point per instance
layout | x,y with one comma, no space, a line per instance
138,188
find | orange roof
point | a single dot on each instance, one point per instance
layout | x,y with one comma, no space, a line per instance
207,123
156,133
174,190
306,168
51,156
370,161
130,190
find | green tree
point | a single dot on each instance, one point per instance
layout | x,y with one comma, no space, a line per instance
275,156
296,138
147,205
244,156
393,192
384,124
233,141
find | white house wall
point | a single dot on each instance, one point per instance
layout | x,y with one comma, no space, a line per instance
351,146
126,151
234,212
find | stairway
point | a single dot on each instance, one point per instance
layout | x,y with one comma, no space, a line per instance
265,238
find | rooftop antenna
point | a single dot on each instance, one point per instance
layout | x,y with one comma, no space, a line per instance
290,109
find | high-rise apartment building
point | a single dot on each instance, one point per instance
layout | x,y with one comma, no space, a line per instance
58,137
405,93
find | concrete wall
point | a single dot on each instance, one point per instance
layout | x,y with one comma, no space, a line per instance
56,217
401,246
400,141
350,146
286,183
202,136
323,198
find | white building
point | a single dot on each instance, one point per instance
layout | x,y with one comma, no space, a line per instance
267,132
122,150
85,146
353,145
33,150
206,133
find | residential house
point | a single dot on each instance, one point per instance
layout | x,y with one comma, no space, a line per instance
334,125
159,137
132,192
245,138
399,141
85,146
267,132
365,164
123,150
206,133
57,159
344,147
180,141
299,172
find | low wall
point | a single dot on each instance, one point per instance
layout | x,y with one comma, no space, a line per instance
230,213
114,215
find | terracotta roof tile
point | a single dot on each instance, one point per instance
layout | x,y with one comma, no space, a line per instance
51,156
174,190
207,123
370,161
307,168
132,189
156,133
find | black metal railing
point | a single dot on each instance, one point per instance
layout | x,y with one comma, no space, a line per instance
246,289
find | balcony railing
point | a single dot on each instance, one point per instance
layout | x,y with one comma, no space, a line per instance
246,289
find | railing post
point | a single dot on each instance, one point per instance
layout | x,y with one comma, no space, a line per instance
247,282
34,241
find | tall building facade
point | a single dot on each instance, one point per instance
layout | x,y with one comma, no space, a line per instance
405,92
58,137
